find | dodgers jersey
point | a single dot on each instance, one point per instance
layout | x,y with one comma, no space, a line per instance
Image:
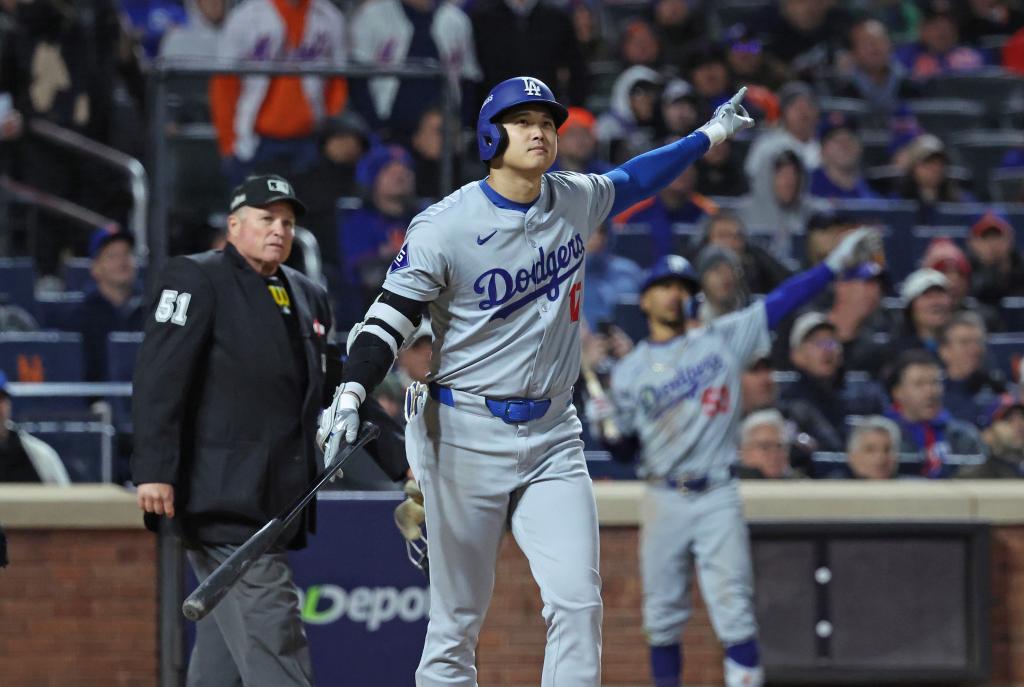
505,287
682,397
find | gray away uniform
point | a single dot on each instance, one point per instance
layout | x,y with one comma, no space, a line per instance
682,399
505,290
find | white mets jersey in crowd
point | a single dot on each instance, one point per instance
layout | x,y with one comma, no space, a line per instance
504,287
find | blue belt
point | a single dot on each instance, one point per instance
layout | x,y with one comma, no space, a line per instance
695,484
512,411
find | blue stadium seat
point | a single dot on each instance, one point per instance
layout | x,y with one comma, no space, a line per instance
17,283
632,321
57,309
633,241
76,274
945,116
46,357
78,278
41,356
122,349
601,465
994,87
82,446
1012,309
1007,349
983,150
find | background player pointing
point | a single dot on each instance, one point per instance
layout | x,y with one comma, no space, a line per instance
494,440
677,397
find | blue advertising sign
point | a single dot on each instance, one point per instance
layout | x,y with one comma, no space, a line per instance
364,604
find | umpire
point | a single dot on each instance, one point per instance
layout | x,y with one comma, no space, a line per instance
229,382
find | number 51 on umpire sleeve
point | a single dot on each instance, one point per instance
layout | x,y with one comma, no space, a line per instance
173,307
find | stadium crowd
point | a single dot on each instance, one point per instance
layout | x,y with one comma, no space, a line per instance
904,114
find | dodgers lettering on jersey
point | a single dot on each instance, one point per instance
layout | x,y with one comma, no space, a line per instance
504,287
682,397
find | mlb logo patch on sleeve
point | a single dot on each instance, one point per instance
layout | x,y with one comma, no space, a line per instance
401,260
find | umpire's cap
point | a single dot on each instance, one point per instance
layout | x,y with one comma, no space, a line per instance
672,267
490,137
261,191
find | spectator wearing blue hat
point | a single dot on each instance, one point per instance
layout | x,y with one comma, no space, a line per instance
839,177
370,236
23,457
938,49
750,64
113,304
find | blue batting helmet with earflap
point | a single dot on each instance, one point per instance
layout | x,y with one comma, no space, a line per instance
669,267
491,138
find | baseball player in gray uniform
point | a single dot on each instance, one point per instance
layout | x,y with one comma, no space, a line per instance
493,439
676,397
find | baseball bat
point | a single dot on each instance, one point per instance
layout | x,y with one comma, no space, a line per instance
609,429
211,590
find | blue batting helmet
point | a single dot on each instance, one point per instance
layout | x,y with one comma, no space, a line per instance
490,137
672,267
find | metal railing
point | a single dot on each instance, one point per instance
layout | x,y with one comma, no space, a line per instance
30,195
138,180
163,71
103,424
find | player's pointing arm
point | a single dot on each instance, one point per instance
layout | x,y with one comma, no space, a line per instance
646,174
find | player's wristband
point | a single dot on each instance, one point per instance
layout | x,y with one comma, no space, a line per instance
715,132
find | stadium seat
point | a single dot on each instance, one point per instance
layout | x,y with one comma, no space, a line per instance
945,116
1012,309
994,87
43,357
983,150
17,283
876,146
629,317
122,350
726,13
1007,349
85,448
601,465
56,309
1007,185
76,274
195,165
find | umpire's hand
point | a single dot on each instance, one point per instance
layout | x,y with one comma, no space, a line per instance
156,497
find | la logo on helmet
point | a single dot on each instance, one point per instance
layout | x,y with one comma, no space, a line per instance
531,87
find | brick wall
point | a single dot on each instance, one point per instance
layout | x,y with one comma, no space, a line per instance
77,608
512,642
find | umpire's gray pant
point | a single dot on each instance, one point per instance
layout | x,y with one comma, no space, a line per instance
254,636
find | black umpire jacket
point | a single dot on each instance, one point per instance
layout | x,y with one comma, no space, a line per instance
224,410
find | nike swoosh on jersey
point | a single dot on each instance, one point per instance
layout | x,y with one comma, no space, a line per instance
482,241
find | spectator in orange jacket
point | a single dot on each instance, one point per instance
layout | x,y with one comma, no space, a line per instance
267,123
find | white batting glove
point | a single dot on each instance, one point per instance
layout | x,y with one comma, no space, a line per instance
598,409
729,119
858,246
340,420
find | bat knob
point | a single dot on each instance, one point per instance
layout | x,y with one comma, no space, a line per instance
193,609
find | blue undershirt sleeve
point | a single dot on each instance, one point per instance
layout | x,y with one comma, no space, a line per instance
796,291
646,174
